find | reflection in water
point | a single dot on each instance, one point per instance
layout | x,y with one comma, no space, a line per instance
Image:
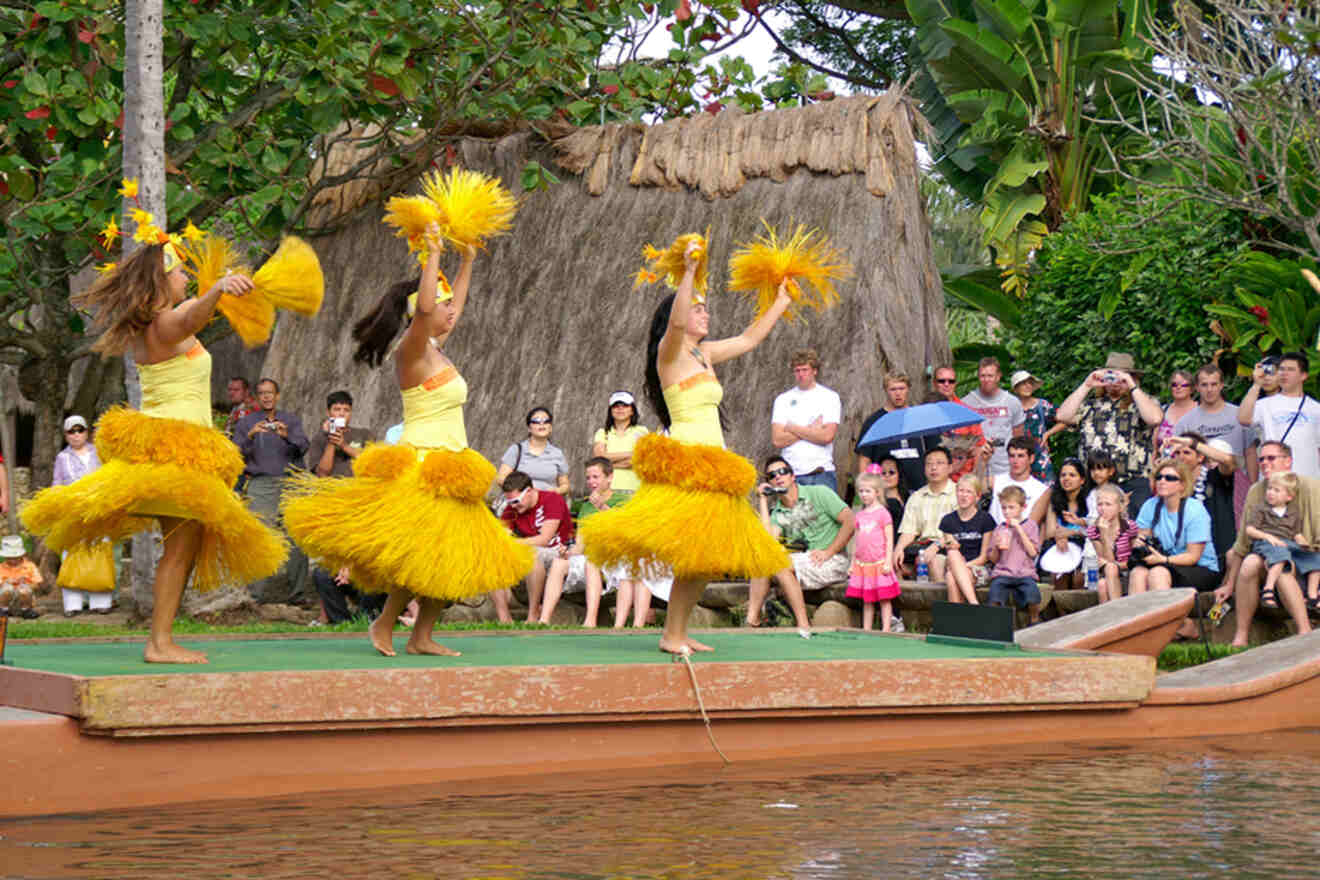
1186,809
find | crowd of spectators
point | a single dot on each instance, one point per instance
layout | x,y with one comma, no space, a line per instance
1198,492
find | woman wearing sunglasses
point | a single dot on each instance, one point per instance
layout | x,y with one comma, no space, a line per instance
536,456
1181,386
1175,544
76,460
691,512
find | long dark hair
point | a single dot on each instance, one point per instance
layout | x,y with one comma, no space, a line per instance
903,490
654,393
375,332
1059,496
609,417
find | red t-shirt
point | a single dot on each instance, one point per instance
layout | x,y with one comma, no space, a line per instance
550,505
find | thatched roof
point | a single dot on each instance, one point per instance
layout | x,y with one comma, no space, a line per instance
553,319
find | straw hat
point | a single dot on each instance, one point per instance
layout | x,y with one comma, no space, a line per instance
1022,376
1121,360
11,547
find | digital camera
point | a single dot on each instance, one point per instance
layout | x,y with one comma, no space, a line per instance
1269,365
1142,549
773,490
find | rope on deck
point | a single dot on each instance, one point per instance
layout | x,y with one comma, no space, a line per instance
687,658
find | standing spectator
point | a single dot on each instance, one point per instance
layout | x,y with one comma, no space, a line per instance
616,440
540,519
803,423
871,577
1040,424
908,453
813,514
272,442
1116,420
966,443
919,531
1269,386
75,460
1181,385
536,456
241,404
332,452
1003,415
1217,419
1020,452
1291,416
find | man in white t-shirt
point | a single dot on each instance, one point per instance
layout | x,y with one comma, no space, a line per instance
1020,451
1004,418
803,423
1291,416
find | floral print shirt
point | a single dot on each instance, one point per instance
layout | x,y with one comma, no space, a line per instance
1120,431
1040,418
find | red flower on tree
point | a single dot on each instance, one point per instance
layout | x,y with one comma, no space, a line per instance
1262,314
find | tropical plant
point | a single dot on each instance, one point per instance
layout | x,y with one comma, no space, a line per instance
1006,86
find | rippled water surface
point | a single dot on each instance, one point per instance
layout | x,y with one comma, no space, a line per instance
1246,807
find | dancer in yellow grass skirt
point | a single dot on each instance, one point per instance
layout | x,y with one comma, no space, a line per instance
691,512
412,520
166,462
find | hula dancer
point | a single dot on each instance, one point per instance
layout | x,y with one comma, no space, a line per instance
412,520
166,462
691,512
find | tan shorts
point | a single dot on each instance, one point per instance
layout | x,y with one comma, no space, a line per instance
831,572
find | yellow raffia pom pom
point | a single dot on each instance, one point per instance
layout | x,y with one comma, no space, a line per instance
291,279
475,206
670,263
761,265
411,215
208,260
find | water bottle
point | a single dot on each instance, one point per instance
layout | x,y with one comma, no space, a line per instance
1092,564
923,573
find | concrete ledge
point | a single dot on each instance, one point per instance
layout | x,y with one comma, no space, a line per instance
1264,670
1141,624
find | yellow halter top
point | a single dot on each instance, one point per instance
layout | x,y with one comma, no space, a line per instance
179,388
694,414
433,412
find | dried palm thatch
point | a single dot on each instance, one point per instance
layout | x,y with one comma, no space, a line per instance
551,319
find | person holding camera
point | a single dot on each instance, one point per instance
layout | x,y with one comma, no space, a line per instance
1175,544
815,518
1118,420
1291,416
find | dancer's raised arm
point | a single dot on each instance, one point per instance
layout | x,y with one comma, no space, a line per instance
671,344
173,326
727,349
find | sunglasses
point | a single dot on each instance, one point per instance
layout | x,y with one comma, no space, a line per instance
946,381
1180,384
777,472
1271,457
77,429
1168,478
538,421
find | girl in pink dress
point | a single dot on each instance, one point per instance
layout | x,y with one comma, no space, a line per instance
871,577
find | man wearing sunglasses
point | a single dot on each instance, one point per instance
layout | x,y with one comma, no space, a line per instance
1245,571
812,515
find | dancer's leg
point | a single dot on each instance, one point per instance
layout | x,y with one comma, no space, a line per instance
382,628
183,538
420,642
682,599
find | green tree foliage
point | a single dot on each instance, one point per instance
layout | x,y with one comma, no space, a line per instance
1160,263
864,50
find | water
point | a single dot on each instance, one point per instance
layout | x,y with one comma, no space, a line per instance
1240,808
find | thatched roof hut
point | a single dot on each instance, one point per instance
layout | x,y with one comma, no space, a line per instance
553,320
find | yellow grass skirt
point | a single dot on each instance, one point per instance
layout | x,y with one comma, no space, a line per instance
691,513
402,523
157,467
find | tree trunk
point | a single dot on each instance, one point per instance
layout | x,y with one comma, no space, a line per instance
8,450
144,159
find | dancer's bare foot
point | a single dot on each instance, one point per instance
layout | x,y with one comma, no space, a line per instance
428,646
171,653
683,646
698,646
382,639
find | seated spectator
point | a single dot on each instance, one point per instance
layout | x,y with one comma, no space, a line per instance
919,530
907,453
1275,529
1244,570
1020,453
1116,419
540,519
1013,551
616,440
1111,535
1040,424
1213,464
571,571
331,453
812,515
1181,386
19,578
76,460
803,422
536,456
1063,510
967,532
1100,469
1174,546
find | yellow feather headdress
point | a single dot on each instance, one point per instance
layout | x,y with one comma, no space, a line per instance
670,264
758,267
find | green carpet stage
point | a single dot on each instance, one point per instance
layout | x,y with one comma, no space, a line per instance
255,684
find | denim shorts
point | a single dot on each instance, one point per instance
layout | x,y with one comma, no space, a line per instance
1023,590
1304,561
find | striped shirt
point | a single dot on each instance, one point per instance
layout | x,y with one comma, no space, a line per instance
1122,543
